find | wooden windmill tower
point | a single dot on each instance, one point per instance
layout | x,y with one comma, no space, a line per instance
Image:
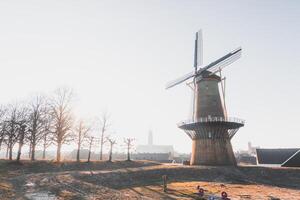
209,128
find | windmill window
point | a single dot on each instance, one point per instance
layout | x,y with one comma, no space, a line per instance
209,134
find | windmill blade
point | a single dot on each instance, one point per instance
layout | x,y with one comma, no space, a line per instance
198,53
180,80
198,60
221,65
200,48
222,62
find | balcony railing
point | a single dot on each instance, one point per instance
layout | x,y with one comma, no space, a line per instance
214,119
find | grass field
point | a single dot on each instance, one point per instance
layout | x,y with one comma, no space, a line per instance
142,180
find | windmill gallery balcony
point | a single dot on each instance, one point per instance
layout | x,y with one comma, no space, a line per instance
211,127
213,119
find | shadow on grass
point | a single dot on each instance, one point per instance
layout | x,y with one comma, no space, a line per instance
128,178
41,166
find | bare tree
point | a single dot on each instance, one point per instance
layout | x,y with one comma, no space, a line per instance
129,144
2,133
62,118
22,132
104,127
11,130
2,125
22,128
37,120
47,138
90,141
47,141
111,142
15,119
82,131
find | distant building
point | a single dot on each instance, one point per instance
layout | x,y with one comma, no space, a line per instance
154,152
251,149
246,159
248,156
160,157
279,157
180,158
152,148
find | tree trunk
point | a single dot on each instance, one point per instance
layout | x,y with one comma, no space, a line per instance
110,153
7,150
33,140
78,147
78,153
44,147
90,148
101,145
58,152
30,150
89,156
21,142
33,151
10,151
19,151
128,154
44,152
1,143
110,156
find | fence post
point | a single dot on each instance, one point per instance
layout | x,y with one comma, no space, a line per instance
164,177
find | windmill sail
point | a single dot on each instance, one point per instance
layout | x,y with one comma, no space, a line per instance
222,62
199,48
198,61
226,62
180,80
213,67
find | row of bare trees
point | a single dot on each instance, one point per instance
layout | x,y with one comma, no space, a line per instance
43,120
49,120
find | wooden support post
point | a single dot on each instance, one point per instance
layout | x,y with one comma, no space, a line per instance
165,178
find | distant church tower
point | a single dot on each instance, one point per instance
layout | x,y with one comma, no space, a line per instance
150,138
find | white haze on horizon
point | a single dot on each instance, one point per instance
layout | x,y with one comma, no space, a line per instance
118,56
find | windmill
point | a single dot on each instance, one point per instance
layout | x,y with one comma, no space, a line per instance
210,128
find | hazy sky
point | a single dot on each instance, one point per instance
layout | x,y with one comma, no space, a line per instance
118,56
